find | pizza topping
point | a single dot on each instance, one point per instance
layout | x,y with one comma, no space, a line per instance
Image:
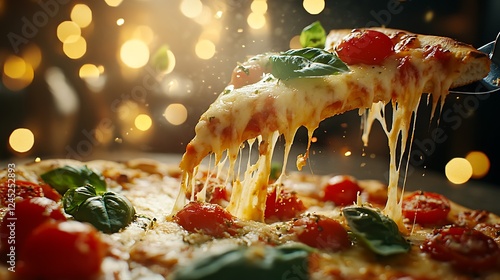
21,190
246,74
27,215
321,232
426,208
466,249
307,62
62,250
285,206
108,212
256,262
207,218
377,231
313,35
365,46
68,177
341,190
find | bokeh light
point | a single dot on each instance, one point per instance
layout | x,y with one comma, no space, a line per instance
314,7
14,67
17,73
191,8
259,6
75,49
32,55
113,3
256,20
21,140
89,71
143,122
81,15
175,113
205,49
480,163
134,53
68,31
458,170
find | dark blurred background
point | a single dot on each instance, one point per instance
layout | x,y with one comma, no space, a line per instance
81,79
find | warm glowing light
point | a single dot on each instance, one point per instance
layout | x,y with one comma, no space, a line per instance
143,122
17,73
134,53
120,21
175,113
81,15
256,21
191,8
75,49
113,3
480,163
32,55
205,49
314,7
68,32
429,16
21,140
144,33
259,6
348,153
89,71
295,42
14,67
458,170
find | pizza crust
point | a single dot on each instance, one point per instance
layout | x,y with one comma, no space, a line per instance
475,64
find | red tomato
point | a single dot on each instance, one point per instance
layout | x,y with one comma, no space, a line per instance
321,232
342,190
246,74
62,250
50,192
10,192
366,47
219,194
19,222
287,206
466,249
426,208
207,218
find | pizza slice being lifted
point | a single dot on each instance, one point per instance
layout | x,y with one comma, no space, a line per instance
274,94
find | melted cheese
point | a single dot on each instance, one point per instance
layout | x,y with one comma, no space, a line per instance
261,111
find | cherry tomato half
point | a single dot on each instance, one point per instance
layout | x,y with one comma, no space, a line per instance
207,218
365,46
426,208
19,222
321,232
11,192
342,190
466,249
62,250
246,74
285,207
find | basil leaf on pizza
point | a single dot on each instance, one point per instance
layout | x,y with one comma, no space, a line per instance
67,177
306,62
74,197
377,231
109,212
259,262
313,35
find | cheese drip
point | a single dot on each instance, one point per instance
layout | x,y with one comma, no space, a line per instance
262,111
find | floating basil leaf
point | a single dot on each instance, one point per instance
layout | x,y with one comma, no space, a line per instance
74,197
108,213
313,35
307,62
377,231
64,178
160,58
256,262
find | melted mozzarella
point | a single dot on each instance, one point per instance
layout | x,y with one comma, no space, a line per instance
262,111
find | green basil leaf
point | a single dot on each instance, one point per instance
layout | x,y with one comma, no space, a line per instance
249,263
73,198
108,213
313,35
160,58
65,178
307,62
377,231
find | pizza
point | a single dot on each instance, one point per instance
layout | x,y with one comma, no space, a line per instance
228,210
